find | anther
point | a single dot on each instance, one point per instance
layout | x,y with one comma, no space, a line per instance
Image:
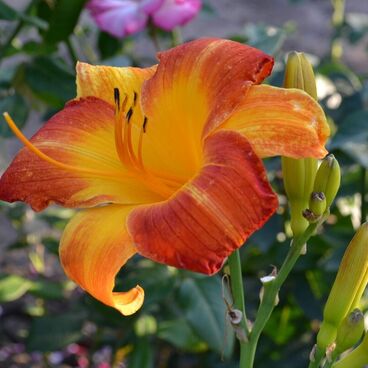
135,98
129,114
145,121
117,98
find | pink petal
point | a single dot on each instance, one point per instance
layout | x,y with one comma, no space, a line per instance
174,13
119,18
150,6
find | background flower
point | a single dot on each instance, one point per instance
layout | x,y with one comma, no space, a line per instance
173,13
121,18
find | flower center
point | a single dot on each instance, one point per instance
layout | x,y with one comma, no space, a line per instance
134,160
160,184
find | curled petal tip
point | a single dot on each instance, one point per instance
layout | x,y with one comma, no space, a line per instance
127,303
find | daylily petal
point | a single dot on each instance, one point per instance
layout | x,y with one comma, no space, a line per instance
213,214
196,87
100,81
278,121
93,248
82,136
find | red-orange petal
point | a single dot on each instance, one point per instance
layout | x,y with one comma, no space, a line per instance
81,135
213,214
195,88
281,122
93,248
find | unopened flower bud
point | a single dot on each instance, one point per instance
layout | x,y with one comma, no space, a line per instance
349,285
328,179
317,203
299,174
317,207
299,74
350,331
358,358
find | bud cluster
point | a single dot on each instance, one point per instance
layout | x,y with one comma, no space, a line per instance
299,174
343,322
326,185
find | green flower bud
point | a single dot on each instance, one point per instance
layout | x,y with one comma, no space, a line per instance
350,331
349,285
299,74
299,174
317,206
358,358
328,179
298,181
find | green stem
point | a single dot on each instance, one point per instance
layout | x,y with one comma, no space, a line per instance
338,16
72,52
152,32
318,357
237,289
363,208
271,292
176,37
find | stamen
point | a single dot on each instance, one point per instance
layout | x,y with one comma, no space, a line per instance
145,121
135,98
49,159
128,146
119,119
129,115
117,98
140,144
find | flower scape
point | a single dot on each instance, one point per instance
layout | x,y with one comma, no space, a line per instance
164,161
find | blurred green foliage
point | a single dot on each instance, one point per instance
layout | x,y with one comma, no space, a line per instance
183,320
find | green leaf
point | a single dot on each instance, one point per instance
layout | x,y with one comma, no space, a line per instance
50,80
203,307
12,287
50,333
6,76
345,80
268,39
352,137
10,14
108,45
180,334
17,107
6,12
47,289
35,49
142,355
63,19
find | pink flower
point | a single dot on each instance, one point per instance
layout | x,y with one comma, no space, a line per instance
121,18
173,13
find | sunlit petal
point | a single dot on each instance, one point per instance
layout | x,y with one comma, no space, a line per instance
277,121
100,81
196,87
81,136
94,246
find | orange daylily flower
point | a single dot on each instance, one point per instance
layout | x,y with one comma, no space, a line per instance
169,156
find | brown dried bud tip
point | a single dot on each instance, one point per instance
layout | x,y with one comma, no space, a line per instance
310,215
318,196
235,316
